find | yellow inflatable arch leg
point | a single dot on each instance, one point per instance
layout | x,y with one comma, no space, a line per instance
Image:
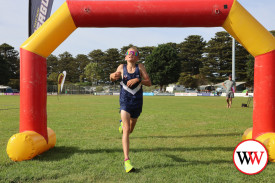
268,139
28,144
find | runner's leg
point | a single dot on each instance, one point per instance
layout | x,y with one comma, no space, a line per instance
125,117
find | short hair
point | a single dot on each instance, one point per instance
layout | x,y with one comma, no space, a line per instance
230,75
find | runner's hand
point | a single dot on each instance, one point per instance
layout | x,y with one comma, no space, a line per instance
132,82
117,75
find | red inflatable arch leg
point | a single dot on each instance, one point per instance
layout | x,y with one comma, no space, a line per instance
264,98
33,91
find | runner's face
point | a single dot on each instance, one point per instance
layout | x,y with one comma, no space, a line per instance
131,55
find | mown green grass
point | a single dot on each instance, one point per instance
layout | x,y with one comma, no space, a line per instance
177,139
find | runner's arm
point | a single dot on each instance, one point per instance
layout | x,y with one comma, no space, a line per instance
116,75
145,77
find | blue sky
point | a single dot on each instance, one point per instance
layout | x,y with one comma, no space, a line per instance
14,29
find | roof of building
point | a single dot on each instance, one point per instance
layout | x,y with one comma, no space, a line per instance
4,87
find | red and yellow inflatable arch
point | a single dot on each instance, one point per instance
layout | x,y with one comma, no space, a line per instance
35,138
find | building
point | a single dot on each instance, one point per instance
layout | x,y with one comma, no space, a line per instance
206,88
171,88
5,89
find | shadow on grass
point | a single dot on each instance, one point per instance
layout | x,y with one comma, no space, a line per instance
63,152
181,160
57,153
8,109
175,158
186,163
193,135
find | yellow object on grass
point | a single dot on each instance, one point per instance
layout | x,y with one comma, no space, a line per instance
247,134
28,144
268,139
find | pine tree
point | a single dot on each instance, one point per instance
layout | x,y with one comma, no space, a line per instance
217,63
163,65
191,52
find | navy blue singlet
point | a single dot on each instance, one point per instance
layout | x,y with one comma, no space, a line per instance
131,98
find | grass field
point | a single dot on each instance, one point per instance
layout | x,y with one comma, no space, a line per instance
177,139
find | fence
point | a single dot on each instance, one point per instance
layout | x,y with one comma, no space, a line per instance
73,89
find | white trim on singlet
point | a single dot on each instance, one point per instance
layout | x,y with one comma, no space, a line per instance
132,91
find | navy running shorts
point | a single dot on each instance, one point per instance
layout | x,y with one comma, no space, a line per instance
134,112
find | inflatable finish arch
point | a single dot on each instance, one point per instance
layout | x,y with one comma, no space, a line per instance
35,138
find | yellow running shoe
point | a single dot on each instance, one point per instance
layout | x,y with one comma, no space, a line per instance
128,166
120,128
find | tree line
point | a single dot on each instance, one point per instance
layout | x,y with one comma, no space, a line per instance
9,66
191,63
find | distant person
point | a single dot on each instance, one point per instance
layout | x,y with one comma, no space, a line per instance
230,87
131,97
